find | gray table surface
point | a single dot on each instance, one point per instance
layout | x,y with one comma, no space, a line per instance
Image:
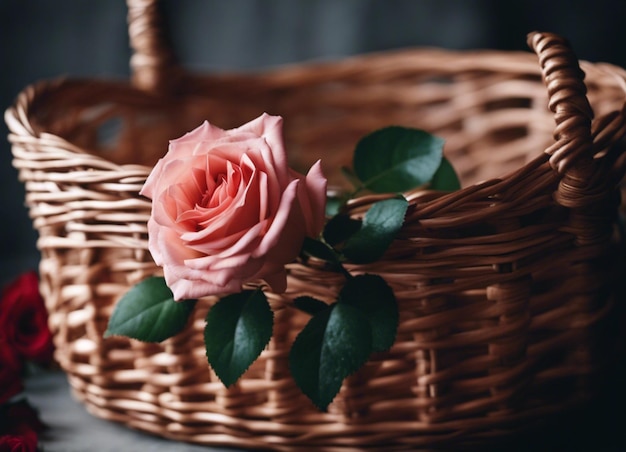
73,429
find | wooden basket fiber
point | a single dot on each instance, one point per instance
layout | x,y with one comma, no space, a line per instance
507,287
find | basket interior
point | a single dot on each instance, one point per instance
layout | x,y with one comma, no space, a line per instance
493,121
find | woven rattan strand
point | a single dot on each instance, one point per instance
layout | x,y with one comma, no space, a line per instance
506,288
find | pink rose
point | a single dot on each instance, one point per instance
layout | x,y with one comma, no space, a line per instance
226,209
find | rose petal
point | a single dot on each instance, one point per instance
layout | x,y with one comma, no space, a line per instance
236,215
277,227
216,245
154,233
183,289
164,174
271,129
171,249
244,244
242,272
314,210
206,132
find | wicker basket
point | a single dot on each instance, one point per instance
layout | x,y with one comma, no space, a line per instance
506,287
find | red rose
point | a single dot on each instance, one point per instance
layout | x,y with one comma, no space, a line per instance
26,442
23,418
24,319
10,371
19,427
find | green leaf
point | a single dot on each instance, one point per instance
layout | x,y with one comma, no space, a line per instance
339,228
445,179
334,344
238,328
380,225
309,305
372,295
319,249
148,312
397,159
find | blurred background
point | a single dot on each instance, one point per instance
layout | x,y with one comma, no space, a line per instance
42,39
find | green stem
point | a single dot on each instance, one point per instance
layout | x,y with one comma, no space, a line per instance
344,271
353,179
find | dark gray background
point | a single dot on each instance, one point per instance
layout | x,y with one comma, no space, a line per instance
42,39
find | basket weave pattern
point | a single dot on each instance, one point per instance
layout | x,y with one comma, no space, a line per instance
505,287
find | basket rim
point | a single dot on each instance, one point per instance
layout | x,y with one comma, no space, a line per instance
22,130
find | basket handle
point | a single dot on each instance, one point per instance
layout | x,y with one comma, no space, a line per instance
155,68
564,80
153,64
